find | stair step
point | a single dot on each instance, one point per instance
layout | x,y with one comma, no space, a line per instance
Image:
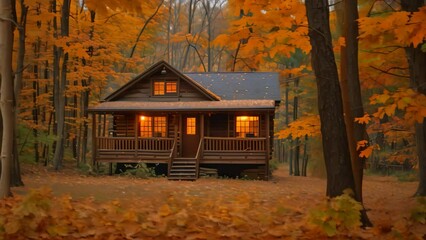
182,178
183,162
182,170
182,175
183,158
183,166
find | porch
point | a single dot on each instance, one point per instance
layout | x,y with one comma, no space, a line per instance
211,150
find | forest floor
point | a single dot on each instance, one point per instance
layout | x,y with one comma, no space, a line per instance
388,201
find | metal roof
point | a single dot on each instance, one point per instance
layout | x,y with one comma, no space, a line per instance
240,85
128,106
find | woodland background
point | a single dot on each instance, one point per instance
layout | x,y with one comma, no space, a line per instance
68,55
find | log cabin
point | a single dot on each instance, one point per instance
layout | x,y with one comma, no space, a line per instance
189,121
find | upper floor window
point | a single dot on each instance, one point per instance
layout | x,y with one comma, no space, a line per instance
247,126
161,87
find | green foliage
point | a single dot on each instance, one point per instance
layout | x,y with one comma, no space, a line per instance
140,170
407,176
340,214
418,214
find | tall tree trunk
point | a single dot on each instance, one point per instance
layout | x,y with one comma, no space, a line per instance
61,87
297,140
352,98
417,62
6,99
333,130
16,179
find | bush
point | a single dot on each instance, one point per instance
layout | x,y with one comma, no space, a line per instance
139,170
340,214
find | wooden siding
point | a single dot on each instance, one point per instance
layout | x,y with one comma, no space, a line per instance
124,125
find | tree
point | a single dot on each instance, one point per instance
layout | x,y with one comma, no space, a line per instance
417,62
334,137
60,81
352,98
6,99
404,30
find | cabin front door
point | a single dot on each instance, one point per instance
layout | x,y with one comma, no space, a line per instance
190,135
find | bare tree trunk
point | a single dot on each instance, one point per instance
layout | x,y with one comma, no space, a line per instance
6,99
61,87
333,130
296,141
16,179
417,62
352,99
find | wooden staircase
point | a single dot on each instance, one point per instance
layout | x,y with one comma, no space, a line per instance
183,169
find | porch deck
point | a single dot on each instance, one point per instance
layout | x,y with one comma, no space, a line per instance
213,150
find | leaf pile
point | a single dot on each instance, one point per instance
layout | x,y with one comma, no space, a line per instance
41,215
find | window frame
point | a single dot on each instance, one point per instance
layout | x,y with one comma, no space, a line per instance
164,91
251,128
153,126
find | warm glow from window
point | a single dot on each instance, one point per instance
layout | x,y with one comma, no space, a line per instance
153,126
247,126
171,87
159,88
164,87
191,126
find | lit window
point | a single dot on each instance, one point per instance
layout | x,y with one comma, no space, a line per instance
171,87
152,126
191,126
247,126
161,88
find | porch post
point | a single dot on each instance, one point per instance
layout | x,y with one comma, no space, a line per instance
136,134
94,139
268,148
202,142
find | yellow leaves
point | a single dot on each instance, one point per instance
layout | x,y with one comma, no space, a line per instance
309,125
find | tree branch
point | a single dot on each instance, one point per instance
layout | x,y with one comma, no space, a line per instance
12,21
387,71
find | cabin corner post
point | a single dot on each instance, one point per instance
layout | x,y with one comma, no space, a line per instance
268,148
94,142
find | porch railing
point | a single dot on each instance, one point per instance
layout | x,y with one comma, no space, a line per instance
129,149
234,144
128,143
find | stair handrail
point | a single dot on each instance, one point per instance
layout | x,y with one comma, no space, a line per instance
171,156
198,157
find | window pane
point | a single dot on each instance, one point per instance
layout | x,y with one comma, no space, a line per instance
191,126
160,126
145,126
171,87
159,88
247,126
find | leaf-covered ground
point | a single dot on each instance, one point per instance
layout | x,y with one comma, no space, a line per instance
118,207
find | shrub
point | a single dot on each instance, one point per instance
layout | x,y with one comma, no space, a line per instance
340,214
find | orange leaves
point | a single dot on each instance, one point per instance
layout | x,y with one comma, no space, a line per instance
404,27
303,126
364,119
407,100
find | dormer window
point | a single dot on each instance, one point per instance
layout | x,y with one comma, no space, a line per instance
162,87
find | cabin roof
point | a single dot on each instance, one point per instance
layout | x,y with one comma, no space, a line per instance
129,106
224,91
240,85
